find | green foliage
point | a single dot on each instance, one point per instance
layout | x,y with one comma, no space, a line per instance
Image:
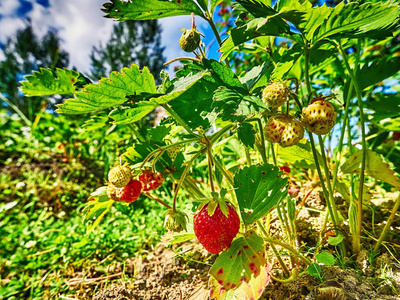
149,9
375,167
258,189
46,83
110,91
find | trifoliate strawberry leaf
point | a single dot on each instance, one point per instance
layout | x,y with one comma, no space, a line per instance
45,82
258,189
246,134
234,105
374,167
96,208
149,9
110,91
242,261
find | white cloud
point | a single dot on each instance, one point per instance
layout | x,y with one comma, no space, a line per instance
9,7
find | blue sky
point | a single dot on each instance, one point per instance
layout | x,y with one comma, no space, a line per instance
81,25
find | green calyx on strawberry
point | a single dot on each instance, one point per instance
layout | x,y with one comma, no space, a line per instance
275,94
216,224
190,40
175,220
284,130
130,192
150,180
319,116
119,176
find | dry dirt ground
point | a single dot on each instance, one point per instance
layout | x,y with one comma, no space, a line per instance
182,271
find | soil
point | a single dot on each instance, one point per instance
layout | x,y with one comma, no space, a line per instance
182,271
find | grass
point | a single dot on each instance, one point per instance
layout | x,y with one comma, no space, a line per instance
43,238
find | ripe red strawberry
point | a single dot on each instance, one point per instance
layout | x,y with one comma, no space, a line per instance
216,232
130,192
275,94
285,130
319,116
119,176
150,180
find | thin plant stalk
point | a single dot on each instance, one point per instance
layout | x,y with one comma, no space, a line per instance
357,236
284,268
388,223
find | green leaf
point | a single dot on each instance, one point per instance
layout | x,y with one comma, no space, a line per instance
149,9
286,62
246,134
96,208
234,105
374,167
251,30
351,20
258,8
314,270
383,107
335,240
255,74
300,155
325,258
45,82
242,261
110,91
258,189
195,105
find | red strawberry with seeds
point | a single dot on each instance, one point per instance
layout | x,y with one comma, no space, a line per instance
150,180
217,231
130,192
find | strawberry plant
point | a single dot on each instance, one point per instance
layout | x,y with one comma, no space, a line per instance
308,75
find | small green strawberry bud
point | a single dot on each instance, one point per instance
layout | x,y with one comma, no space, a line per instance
175,220
190,40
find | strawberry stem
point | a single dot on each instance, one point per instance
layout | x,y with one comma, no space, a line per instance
158,200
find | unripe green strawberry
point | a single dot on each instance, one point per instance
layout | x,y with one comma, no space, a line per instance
130,192
190,40
284,130
175,220
119,176
216,232
111,192
150,180
319,116
275,94
173,152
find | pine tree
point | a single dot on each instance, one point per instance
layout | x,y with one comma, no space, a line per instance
137,42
